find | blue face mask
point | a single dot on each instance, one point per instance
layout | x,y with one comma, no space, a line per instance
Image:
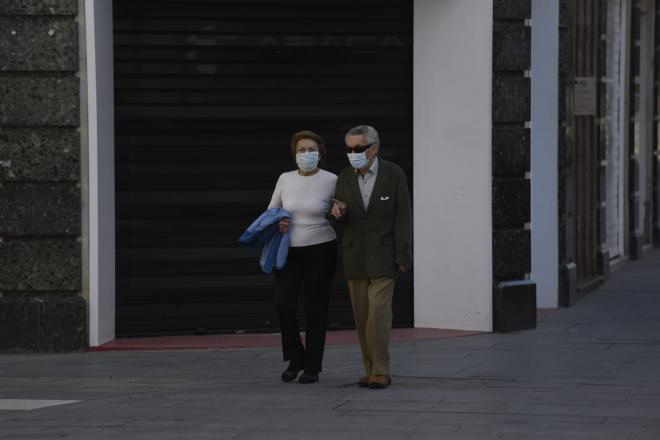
307,161
358,160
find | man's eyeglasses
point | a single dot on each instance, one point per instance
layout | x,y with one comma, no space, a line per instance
358,148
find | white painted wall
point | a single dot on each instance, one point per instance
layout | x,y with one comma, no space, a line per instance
452,163
544,137
101,196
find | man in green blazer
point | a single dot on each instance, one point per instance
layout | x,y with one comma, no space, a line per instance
373,203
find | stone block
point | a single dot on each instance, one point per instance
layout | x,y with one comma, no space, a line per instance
512,9
48,265
635,63
636,245
565,60
39,44
512,255
39,154
38,7
511,202
514,306
601,217
511,47
30,101
39,209
511,99
602,68
561,239
633,211
563,13
511,151
602,15
42,324
562,96
567,285
602,184
603,261
633,176
562,146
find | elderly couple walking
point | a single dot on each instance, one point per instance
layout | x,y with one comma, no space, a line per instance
371,199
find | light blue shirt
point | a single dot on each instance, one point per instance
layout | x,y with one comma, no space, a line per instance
366,182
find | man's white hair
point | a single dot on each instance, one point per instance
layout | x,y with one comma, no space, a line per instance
367,131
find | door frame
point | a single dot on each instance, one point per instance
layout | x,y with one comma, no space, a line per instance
98,185
97,163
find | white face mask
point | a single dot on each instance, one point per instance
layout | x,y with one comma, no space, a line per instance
358,160
307,161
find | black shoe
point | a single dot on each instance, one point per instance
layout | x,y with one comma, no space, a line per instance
290,373
308,378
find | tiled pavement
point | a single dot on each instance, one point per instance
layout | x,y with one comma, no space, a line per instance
588,372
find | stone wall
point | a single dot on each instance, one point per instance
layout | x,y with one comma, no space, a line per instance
514,296
635,234
656,131
567,267
41,307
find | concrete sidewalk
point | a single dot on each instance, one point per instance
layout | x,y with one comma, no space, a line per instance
588,372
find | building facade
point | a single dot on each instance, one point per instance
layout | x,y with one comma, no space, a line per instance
139,138
608,160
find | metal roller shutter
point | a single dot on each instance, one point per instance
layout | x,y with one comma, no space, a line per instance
207,96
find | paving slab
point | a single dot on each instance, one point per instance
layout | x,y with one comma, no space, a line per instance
587,372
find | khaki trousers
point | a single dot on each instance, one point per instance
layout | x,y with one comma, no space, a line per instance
372,310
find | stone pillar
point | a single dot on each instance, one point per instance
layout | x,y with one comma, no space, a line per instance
514,295
567,267
41,308
603,254
656,131
635,237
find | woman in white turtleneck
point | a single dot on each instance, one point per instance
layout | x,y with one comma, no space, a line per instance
306,194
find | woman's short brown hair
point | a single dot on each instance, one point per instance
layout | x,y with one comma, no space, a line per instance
306,134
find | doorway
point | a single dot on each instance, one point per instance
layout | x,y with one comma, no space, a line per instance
207,96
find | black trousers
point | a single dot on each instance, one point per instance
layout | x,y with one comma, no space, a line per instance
313,268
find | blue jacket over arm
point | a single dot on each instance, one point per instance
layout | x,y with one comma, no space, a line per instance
264,231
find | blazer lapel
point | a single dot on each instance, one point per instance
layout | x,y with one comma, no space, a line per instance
381,178
355,191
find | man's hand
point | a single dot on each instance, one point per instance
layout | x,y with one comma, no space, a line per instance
283,226
403,268
338,209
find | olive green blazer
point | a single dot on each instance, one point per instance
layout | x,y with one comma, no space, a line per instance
378,239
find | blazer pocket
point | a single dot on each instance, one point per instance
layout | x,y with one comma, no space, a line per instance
385,206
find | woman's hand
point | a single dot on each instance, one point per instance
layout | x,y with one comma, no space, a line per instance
283,226
338,209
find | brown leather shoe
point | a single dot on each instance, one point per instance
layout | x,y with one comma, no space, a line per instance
364,381
379,382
